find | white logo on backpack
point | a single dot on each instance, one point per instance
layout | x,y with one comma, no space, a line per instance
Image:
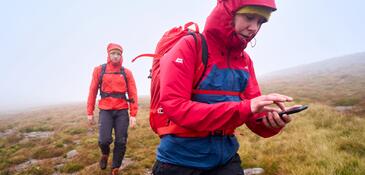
179,60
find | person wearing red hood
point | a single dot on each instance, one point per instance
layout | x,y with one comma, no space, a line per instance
227,97
118,93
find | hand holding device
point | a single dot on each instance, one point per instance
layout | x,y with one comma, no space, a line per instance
290,111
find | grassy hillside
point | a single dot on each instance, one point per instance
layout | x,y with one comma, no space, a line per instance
336,82
320,142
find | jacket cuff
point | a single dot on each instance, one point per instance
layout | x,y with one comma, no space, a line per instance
245,110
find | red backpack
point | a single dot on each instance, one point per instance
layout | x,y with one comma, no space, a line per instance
158,120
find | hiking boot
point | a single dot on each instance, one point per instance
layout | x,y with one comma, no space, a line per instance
115,171
103,161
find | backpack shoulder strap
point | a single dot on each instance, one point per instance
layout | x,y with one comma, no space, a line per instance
204,58
102,72
204,50
122,71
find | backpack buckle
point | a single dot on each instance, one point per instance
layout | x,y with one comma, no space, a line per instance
159,111
150,76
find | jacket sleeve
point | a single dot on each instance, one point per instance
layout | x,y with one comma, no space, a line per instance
252,91
176,79
132,93
93,90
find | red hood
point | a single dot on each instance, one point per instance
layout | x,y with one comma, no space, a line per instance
219,24
112,46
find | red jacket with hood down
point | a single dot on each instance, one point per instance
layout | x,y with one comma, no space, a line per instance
229,68
113,83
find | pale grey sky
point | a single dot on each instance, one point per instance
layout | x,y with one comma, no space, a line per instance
48,48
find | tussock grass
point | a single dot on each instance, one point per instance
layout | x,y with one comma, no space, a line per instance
41,128
76,131
350,101
20,156
72,167
48,152
11,139
37,170
319,141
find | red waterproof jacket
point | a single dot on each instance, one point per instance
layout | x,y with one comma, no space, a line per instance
229,69
113,83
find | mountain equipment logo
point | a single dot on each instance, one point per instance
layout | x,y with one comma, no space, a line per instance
179,60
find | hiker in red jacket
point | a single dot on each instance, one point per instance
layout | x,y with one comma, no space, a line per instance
118,93
203,120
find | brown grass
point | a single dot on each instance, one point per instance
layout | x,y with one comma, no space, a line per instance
319,141
310,145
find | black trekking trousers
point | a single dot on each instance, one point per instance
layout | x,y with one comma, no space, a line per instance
232,167
119,120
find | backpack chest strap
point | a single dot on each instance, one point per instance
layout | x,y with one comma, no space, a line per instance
114,95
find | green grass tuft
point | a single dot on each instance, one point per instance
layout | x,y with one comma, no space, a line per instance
71,167
36,129
353,147
347,102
